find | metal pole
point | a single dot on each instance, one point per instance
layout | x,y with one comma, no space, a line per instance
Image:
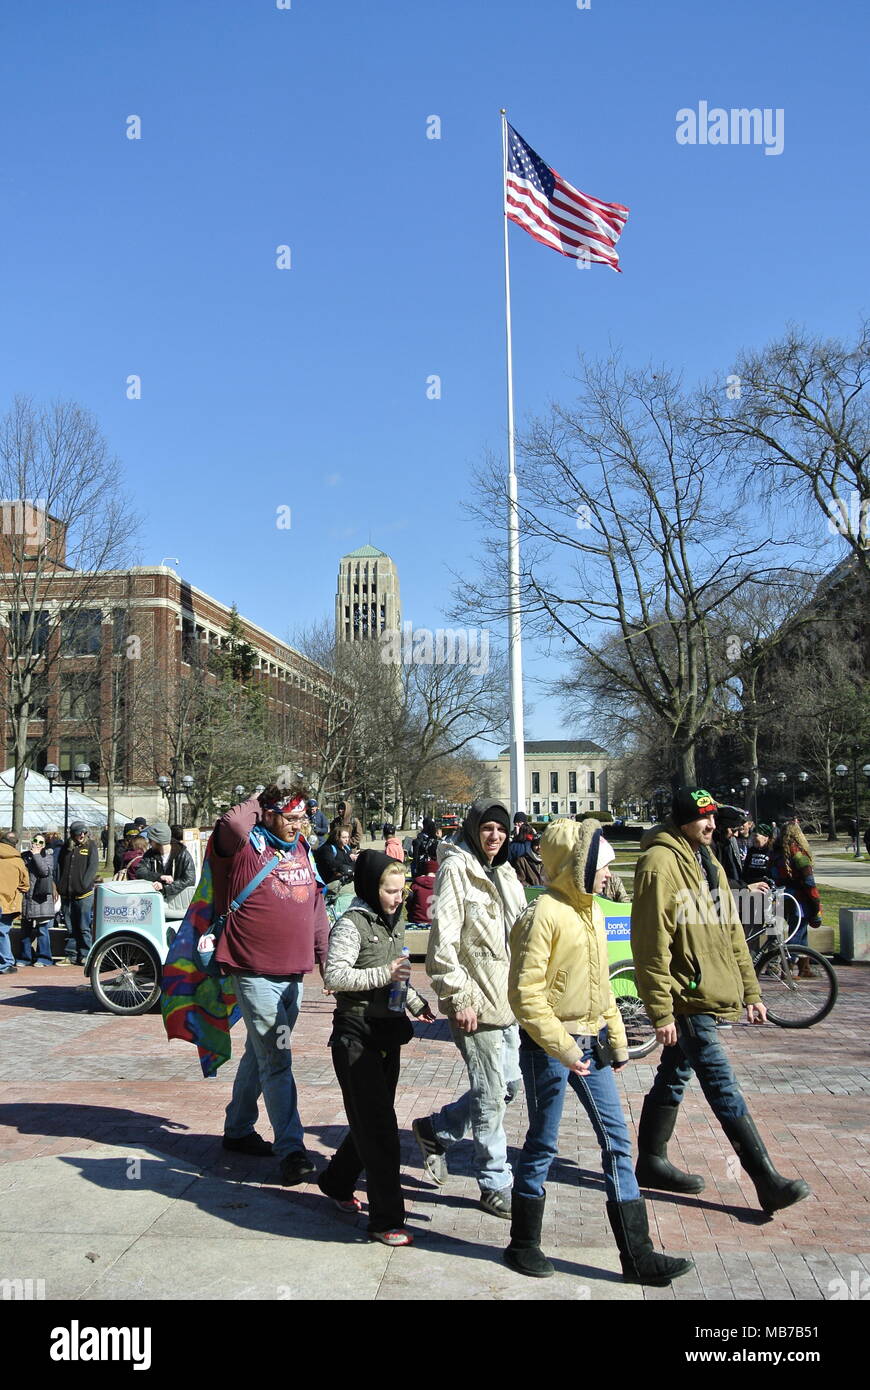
66,808
515,636
857,854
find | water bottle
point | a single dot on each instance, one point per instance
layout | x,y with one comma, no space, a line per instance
398,996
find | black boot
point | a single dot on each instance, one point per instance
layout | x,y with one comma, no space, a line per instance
774,1191
524,1253
640,1263
653,1169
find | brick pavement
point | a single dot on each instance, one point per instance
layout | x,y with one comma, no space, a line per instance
75,1080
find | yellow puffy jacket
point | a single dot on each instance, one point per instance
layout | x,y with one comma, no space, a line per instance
559,980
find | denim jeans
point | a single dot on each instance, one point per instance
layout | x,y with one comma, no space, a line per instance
491,1057
698,1049
270,1007
78,915
7,959
545,1080
42,928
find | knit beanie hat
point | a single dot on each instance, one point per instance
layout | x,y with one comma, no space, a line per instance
691,803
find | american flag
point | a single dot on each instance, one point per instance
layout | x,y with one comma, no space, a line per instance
553,212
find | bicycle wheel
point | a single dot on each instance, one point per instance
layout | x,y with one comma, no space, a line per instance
640,1032
798,986
126,975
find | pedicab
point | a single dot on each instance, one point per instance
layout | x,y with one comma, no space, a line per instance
131,940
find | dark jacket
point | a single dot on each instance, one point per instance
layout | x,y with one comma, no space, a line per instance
319,824
38,903
333,862
150,868
77,869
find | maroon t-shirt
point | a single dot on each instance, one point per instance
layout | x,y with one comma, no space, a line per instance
282,927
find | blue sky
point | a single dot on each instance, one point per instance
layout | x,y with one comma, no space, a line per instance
306,387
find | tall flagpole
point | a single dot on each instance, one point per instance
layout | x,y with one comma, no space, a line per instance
515,634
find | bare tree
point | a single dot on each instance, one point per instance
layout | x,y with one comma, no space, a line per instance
800,414
622,501
65,518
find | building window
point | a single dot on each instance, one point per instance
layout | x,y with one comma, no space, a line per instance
120,630
40,631
572,781
554,782
536,784
573,808
79,695
590,781
554,808
81,632
592,806
75,751
536,808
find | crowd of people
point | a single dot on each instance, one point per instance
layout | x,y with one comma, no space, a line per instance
524,987
525,992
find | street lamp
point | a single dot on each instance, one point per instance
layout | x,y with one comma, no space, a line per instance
81,772
170,787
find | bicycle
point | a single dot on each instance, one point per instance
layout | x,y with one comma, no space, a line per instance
791,1002
792,999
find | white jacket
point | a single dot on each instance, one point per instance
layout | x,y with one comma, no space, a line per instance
469,954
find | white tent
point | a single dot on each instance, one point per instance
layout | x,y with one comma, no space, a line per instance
43,808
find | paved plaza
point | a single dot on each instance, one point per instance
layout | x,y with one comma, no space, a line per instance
115,1186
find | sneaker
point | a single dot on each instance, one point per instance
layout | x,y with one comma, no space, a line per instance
40,965
350,1205
434,1162
249,1144
296,1168
64,960
496,1203
10,970
397,1237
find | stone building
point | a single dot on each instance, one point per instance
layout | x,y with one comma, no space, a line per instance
564,777
367,600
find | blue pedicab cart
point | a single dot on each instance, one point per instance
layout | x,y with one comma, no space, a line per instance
131,940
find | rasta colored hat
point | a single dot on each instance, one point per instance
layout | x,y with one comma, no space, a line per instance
692,803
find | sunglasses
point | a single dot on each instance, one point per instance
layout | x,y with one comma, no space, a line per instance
38,842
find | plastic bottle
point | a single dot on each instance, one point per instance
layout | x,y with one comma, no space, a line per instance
398,996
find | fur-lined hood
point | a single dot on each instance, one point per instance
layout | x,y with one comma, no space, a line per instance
569,850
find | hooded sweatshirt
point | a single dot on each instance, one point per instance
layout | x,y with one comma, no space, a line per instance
474,907
560,971
362,946
689,950
14,879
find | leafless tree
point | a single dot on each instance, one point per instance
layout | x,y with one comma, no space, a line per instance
631,544
64,513
799,417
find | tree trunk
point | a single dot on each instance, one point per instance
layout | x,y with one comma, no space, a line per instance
18,786
685,763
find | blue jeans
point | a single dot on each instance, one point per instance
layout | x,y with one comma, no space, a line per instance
43,941
490,1054
270,1007
7,959
545,1080
78,914
698,1049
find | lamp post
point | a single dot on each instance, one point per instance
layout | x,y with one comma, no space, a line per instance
745,784
81,772
841,770
170,787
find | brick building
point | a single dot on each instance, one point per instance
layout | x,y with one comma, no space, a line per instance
136,624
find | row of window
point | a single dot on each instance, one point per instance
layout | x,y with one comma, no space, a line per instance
554,808
554,782
81,631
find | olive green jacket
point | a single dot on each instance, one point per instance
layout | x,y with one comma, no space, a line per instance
688,958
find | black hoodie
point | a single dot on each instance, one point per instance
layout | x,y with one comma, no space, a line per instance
476,816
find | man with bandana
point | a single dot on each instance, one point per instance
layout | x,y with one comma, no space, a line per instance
268,944
694,971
